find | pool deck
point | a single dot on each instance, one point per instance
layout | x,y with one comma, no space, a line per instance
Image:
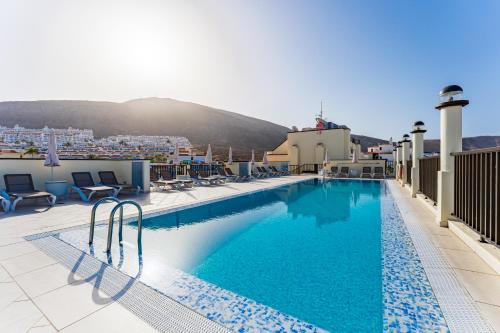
39,294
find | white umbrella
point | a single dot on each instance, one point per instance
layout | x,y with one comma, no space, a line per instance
355,155
176,153
325,162
52,160
208,159
230,158
208,156
264,159
252,161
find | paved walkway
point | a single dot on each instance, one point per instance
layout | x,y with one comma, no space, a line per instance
38,294
479,279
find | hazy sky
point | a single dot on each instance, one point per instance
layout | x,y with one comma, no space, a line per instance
377,65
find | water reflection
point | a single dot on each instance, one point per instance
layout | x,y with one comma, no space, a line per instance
330,204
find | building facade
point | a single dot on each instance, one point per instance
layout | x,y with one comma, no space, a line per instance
309,146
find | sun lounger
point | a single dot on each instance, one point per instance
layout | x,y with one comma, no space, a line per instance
281,172
5,203
181,183
334,171
108,178
216,179
84,185
378,173
367,172
264,173
20,187
240,178
258,174
268,172
230,178
344,172
161,184
199,180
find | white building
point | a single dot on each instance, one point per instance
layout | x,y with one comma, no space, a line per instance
383,151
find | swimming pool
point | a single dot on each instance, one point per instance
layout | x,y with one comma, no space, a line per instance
310,252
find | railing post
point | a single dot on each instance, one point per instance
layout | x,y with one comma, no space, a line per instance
399,158
406,156
451,142
417,152
394,160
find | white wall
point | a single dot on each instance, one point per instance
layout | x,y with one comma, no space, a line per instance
40,173
312,144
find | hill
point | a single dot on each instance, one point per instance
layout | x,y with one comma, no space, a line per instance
476,142
151,116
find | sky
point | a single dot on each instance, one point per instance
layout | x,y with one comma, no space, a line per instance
376,65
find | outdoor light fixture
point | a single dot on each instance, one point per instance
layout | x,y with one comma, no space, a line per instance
447,93
419,127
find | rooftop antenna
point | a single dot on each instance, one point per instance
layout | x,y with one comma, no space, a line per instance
321,110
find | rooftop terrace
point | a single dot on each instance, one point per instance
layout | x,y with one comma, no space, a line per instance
45,290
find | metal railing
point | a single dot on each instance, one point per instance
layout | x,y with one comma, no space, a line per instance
92,215
120,224
429,167
477,191
303,168
294,169
181,169
174,169
389,168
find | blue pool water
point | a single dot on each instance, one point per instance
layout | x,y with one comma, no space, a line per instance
314,254
311,250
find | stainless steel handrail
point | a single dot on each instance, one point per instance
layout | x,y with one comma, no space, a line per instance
120,225
92,216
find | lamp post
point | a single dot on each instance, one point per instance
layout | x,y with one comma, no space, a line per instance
406,157
394,160
450,108
417,152
399,158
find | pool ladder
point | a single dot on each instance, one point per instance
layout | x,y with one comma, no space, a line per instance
119,206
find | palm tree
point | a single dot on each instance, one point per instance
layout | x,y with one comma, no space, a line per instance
92,156
158,158
32,151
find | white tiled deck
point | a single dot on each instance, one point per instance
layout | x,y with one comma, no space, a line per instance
38,294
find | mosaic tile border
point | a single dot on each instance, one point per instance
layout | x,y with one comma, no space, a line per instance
409,301
456,304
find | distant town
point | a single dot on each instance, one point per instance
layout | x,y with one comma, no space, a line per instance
74,143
